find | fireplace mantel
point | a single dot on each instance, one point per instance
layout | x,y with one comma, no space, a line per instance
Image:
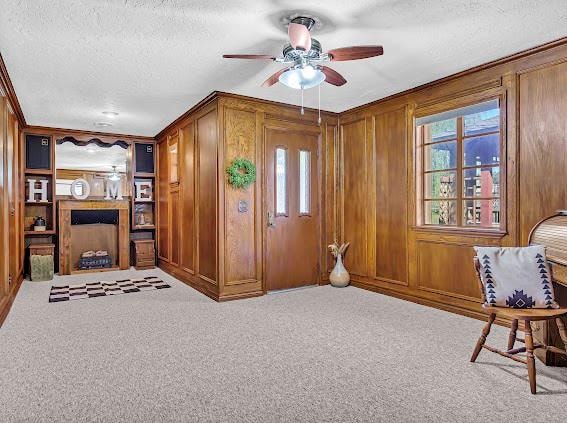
66,265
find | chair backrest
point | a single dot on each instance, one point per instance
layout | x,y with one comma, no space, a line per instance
481,285
479,279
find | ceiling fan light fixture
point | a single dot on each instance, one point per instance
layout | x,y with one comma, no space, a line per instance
102,124
302,78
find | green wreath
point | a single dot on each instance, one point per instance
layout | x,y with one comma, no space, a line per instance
241,173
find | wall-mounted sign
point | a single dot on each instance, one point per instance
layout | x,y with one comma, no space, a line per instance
33,191
113,190
143,190
242,206
81,189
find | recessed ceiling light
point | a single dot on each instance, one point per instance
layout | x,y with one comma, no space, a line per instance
102,124
110,114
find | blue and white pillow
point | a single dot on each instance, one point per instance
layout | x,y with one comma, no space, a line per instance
516,277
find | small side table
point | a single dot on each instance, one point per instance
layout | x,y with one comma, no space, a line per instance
41,268
144,254
42,249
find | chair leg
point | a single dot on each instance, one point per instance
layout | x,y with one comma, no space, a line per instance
482,339
512,336
562,331
530,356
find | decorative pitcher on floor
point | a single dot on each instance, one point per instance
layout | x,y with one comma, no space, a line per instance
339,277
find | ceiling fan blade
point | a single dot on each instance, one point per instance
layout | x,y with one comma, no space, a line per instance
332,76
249,56
273,79
355,53
299,36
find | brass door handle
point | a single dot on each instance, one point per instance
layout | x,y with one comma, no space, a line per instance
271,220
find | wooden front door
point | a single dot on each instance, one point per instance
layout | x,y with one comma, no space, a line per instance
292,203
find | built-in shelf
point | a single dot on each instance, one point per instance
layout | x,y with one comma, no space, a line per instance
141,227
39,233
34,148
43,172
143,211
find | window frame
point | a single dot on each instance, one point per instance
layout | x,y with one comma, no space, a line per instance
308,182
460,137
286,178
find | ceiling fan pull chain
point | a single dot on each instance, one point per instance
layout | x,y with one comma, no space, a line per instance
319,103
302,109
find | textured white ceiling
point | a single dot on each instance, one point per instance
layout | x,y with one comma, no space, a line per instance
152,60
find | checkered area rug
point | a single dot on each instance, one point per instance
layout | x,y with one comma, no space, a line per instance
104,288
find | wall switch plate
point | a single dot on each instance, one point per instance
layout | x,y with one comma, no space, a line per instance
242,206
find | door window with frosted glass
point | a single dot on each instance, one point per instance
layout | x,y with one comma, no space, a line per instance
281,181
304,182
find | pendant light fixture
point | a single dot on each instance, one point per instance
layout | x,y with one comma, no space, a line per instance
114,176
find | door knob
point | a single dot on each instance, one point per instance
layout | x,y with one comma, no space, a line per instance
271,219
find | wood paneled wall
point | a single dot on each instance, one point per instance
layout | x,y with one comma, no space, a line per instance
207,143
11,205
368,189
187,206
377,203
543,143
222,249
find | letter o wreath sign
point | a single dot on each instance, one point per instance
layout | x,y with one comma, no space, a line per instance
86,189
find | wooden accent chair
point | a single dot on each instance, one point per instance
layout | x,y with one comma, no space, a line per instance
515,315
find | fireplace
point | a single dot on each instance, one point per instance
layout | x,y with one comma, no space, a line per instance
99,228
94,239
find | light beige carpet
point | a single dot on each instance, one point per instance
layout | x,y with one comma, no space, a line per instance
313,355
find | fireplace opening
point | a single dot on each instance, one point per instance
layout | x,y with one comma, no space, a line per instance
94,239
89,217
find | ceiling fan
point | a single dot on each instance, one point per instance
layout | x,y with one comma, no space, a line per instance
304,57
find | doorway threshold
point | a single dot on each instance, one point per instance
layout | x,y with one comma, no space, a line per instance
283,291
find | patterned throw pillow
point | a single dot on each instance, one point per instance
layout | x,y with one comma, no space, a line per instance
516,277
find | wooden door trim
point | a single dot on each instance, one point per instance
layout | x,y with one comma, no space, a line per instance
294,128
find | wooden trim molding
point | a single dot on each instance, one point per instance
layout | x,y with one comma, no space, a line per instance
82,135
7,301
240,98
475,312
66,207
200,285
501,61
173,125
97,141
7,89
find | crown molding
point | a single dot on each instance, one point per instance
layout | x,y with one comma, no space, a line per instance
223,94
82,134
7,89
211,97
503,60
